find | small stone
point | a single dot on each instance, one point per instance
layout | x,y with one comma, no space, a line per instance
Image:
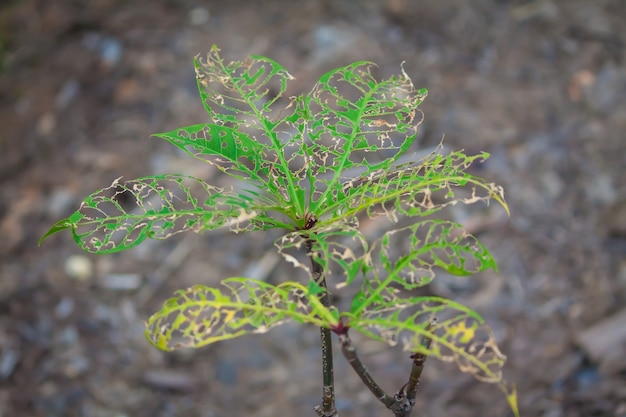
8,362
581,80
68,336
604,343
111,51
330,42
226,371
121,282
68,92
79,267
60,202
46,124
76,366
64,308
199,16
170,379
537,9
127,91
600,189
552,184
607,90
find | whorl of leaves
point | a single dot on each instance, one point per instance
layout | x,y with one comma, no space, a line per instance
312,165
332,154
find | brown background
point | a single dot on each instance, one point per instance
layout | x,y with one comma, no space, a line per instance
539,84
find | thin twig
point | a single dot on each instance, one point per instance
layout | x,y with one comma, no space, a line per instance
349,351
398,404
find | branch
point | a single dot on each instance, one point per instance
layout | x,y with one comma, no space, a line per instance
401,404
349,351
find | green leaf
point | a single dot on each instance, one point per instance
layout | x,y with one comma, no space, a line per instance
247,87
314,288
57,227
416,189
356,124
409,255
123,215
203,315
239,155
372,292
459,336
239,98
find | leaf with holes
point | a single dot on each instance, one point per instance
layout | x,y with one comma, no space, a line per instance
416,189
203,315
410,255
456,333
356,125
126,213
460,335
243,139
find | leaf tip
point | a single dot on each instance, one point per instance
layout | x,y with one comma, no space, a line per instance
511,397
506,208
57,227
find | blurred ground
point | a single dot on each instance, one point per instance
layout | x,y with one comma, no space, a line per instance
539,84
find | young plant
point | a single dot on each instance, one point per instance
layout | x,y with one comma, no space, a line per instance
314,169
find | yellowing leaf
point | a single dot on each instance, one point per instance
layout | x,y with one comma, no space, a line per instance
460,335
461,332
202,315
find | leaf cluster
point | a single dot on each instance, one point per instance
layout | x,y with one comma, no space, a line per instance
314,168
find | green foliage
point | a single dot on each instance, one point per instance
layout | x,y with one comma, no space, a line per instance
313,168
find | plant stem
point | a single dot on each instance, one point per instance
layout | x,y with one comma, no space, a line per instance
418,366
327,409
